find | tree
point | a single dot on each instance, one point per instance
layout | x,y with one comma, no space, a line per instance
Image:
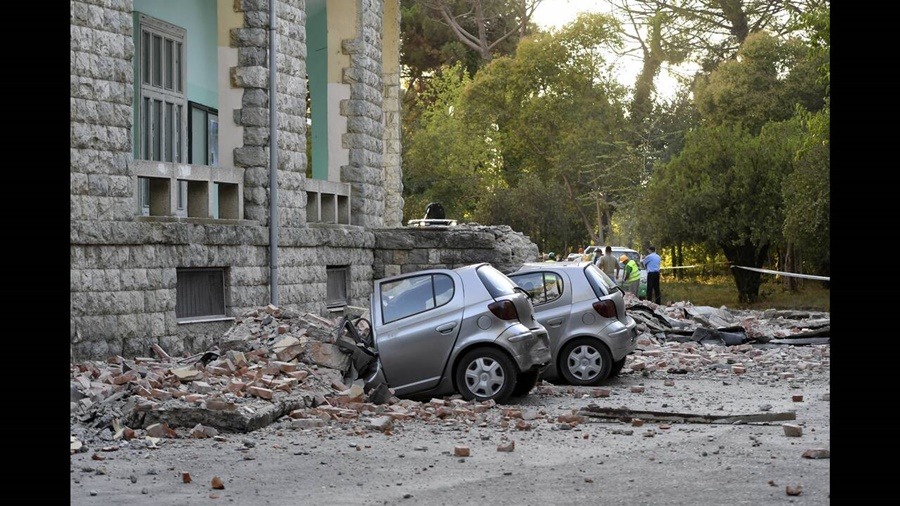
559,114
443,158
724,189
765,83
483,25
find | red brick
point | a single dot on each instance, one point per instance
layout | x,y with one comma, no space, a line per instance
797,398
461,451
600,392
264,393
738,369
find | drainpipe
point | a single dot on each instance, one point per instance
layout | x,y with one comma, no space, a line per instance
273,161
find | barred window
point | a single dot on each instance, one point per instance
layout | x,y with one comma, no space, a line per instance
336,288
200,293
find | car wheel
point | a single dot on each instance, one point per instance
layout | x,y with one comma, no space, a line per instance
525,383
617,367
486,373
585,361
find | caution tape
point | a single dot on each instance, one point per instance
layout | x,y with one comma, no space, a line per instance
782,273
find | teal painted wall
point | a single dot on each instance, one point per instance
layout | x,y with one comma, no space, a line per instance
317,67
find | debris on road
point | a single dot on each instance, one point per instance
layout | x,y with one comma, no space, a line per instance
627,415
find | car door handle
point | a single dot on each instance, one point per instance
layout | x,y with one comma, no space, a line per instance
555,322
446,328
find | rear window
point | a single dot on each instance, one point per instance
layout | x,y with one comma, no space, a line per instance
599,281
496,282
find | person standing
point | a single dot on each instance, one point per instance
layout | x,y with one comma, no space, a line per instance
651,262
609,264
631,280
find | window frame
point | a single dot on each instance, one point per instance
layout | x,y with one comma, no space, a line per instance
337,303
194,318
207,111
154,100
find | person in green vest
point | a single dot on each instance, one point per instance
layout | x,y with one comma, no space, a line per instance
632,277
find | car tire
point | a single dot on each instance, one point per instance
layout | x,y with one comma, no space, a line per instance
617,367
525,383
584,361
486,373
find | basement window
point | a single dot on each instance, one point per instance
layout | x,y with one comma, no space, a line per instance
338,279
200,295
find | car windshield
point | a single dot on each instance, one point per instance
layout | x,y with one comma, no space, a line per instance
633,255
599,281
496,282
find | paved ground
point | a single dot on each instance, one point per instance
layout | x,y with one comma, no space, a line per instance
593,462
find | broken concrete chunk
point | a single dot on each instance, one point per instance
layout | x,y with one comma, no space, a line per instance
186,374
327,355
817,453
792,430
508,446
288,348
237,358
637,389
381,423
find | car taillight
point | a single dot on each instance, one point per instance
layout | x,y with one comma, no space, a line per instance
606,308
504,309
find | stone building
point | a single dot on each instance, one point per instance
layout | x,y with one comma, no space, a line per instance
170,156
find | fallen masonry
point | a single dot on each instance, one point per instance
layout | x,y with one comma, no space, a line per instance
628,415
274,364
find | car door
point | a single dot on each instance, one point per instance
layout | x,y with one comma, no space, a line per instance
417,321
548,295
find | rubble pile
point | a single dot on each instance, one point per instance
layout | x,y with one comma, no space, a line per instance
269,363
276,366
683,322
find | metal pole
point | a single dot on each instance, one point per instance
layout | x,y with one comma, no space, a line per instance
273,160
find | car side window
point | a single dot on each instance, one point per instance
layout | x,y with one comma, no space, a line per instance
414,295
543,287
553,286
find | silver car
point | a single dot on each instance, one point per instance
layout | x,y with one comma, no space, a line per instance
469,330
584,312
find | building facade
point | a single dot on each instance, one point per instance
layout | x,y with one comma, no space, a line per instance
170,135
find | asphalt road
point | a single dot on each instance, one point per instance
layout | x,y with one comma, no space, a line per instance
596,462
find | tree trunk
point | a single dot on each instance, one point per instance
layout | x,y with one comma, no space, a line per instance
748,255
584,218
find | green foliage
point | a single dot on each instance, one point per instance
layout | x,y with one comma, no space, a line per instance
807,193
764,83
444,159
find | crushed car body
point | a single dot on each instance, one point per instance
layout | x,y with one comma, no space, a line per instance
435,332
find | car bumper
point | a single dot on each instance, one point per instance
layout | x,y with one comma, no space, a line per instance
530,348
622,338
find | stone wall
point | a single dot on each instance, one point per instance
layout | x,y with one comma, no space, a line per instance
252,74
402,250
365,128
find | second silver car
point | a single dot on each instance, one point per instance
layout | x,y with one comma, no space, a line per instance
584,312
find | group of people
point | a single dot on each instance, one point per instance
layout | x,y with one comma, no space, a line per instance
631,275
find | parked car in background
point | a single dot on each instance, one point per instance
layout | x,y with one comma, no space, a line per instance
584,312
617,252
469,330
574,257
